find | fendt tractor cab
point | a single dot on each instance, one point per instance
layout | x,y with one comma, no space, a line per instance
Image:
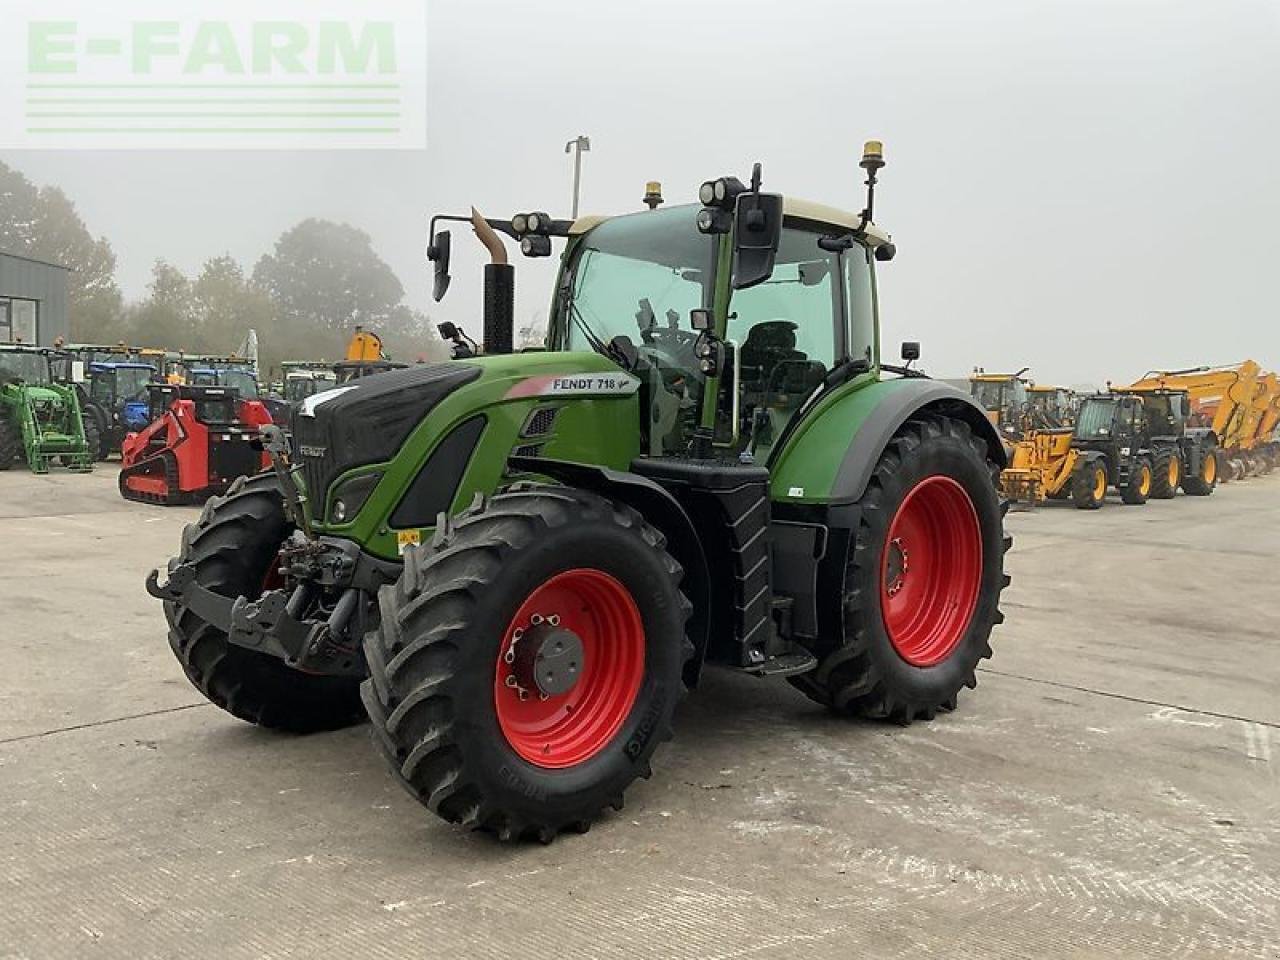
518,562
40,419
198,441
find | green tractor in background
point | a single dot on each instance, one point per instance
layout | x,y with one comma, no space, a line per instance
40,420
516,564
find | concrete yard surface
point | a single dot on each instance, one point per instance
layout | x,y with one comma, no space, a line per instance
1111,788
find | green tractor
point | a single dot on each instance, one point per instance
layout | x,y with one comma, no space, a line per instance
40,420
516,564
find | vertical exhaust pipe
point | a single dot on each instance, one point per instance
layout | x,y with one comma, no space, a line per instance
499,290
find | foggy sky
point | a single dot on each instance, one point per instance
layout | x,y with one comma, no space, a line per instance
1085,187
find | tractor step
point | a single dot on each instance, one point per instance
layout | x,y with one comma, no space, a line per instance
794,661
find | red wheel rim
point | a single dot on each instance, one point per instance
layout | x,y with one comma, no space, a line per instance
932,571
570,728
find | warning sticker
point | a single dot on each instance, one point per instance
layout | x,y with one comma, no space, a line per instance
408,538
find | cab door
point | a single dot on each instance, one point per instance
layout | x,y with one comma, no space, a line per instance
816,310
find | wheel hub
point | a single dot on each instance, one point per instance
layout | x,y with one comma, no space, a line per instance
544,659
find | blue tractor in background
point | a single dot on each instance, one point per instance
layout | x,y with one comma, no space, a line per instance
112,394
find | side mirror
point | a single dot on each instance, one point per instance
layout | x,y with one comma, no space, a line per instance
910,350
700,319
757,234
438,254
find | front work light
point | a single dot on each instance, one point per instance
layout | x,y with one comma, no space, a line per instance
535,245
720,193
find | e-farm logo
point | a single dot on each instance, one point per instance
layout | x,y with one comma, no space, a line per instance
232,74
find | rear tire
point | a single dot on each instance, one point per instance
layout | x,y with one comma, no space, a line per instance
92,438
10,441
1166,473
1089,484
233,546
893,663
457,733
1204,484
1138,489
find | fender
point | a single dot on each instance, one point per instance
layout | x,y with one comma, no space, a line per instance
662,510
820,464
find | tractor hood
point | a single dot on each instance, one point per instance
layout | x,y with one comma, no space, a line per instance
427,433
368,420
44,395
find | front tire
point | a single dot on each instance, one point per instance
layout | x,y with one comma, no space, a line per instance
1166,473
1089,484
472,719
1203,485
234,546
923,581
1138,489
92,437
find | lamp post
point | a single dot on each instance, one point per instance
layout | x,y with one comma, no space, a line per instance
578,147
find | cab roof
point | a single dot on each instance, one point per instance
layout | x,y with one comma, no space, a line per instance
793,208
120,365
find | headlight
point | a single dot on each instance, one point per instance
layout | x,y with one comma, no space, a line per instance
349,496
520,223
707,193
714,220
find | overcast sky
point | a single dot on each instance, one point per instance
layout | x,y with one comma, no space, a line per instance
1086,187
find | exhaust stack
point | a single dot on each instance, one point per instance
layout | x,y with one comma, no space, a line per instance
499,290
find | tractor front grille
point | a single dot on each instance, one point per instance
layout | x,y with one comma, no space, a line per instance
312,453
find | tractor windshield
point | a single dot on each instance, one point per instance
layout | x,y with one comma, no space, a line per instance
24,366
639,276
242,381
131,383
1096,419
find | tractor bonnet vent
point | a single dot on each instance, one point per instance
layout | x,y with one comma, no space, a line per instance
540,422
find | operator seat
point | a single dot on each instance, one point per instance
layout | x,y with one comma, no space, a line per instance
768,344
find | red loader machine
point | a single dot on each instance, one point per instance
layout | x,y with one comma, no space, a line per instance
200,439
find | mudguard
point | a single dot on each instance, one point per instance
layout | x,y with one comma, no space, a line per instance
662,510
830,457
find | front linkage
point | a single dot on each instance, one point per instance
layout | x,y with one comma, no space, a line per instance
330,577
